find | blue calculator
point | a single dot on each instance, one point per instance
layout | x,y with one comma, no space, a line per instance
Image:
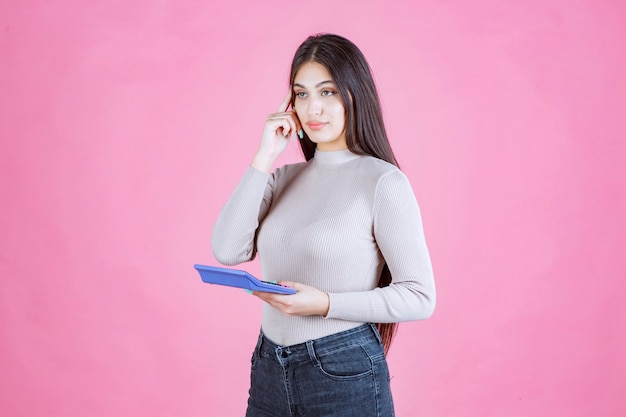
241,279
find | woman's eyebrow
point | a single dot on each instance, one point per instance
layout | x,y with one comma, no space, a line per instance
316,85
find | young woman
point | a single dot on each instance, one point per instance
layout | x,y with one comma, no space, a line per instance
343,228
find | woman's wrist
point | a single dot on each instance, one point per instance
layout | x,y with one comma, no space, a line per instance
326,306
263,161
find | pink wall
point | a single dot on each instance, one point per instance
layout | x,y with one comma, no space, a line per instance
125,125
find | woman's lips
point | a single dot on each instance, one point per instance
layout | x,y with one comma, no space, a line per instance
315,125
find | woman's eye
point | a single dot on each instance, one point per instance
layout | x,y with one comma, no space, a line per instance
328,92
300,94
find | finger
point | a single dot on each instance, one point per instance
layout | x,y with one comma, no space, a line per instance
285,103
292,129
297,120
299,129
286,122
264,295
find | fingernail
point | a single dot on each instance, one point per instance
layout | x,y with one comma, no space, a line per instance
301,133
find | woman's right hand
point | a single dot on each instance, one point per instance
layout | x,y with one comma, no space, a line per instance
279,128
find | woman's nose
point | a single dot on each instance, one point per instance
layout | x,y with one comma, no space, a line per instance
315,107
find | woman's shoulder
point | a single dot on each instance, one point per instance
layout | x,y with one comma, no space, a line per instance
386,179
377,168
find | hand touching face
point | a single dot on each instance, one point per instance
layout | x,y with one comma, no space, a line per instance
279,127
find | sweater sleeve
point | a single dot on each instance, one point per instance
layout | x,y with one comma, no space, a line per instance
234,234
399,234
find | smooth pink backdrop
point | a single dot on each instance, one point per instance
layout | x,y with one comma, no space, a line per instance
124,127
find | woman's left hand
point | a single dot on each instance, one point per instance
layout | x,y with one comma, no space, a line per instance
308,301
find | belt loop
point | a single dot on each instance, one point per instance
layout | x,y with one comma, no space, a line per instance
376,332
311,350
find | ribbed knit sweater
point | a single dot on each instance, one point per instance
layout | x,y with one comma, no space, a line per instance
331,223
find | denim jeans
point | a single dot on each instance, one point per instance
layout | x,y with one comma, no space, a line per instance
343,375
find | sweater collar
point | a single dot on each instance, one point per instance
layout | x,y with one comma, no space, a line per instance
334,157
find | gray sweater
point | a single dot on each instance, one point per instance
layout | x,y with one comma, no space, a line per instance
331,223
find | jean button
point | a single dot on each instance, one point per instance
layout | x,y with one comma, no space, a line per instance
284,354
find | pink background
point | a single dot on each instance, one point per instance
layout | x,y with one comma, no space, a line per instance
124,127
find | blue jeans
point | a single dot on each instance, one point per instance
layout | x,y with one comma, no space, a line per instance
344,375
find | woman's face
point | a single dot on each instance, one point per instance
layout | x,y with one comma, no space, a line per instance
319,107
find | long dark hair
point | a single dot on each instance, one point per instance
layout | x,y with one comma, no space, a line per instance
365,128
